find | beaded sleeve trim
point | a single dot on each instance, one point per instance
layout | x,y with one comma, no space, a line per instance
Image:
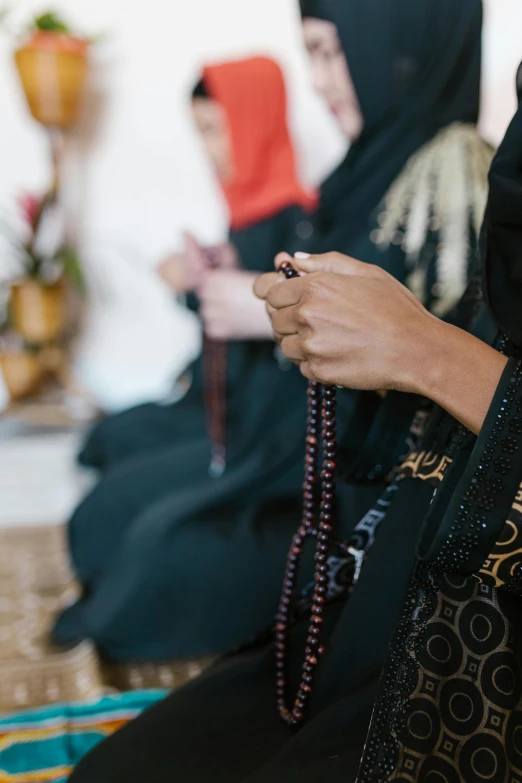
482,502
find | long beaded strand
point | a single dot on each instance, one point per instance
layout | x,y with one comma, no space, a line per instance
215,391
318,496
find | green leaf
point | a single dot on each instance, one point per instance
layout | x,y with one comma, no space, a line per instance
72,269
51,22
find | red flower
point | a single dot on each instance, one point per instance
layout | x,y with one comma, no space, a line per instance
30,206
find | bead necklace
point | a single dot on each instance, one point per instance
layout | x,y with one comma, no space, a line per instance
215,390
318,498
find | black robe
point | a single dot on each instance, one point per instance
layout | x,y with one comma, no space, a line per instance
468,625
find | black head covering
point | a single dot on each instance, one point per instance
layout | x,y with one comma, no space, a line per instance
503,233
200,90
313,9
416,69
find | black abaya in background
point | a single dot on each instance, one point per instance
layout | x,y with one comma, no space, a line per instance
450,702
175,564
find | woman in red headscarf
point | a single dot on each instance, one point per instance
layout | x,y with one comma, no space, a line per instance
211,456
239,108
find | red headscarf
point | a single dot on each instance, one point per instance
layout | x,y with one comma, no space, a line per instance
253,95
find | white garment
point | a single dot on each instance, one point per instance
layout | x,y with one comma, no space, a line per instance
136,339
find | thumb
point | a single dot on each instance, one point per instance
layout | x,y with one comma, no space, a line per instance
265,282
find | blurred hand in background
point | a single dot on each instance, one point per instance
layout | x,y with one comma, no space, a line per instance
229,308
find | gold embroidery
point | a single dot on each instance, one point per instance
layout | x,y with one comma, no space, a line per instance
506,558
425,465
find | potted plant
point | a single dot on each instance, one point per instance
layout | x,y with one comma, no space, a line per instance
53,65
38,301
20,367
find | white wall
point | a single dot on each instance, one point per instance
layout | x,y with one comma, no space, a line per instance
143,176
138,176
502,55
135,172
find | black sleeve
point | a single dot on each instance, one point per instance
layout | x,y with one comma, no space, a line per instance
192,302
377,436
469,512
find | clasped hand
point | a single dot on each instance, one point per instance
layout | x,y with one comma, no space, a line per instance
348,323
228,308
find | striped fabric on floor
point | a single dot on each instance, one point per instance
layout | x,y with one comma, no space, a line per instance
44,745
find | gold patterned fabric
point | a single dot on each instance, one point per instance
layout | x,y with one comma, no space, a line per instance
504,562
450,707
464,720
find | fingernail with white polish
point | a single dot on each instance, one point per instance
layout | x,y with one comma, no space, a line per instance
301,255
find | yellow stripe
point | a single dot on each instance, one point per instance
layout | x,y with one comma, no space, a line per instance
45,776
42,735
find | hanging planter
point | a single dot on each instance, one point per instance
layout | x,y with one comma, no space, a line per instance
39,311
53,65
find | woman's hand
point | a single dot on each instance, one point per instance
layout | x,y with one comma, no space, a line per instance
184,272
172,271
348,323
229,308
351,324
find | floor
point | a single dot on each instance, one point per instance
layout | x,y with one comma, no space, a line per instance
39,482
40,485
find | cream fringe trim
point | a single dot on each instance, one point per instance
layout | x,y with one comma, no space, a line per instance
443,188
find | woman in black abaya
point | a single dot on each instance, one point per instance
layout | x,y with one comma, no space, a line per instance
175,564
449,706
